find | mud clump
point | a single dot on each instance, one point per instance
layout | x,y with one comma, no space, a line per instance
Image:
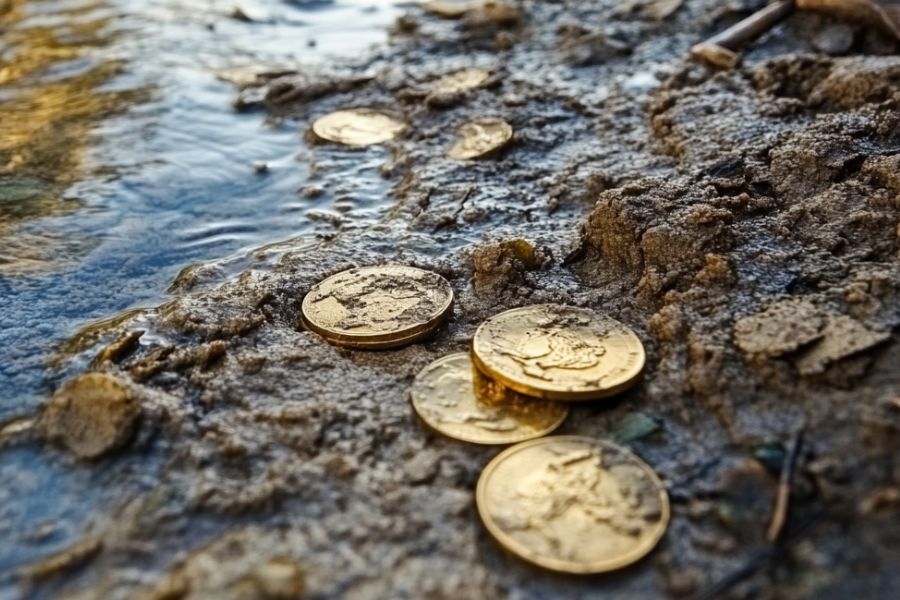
90,416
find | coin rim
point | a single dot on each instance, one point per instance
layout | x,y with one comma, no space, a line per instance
433,84
316,125
522,438
563,395
561,565
400,337
488,152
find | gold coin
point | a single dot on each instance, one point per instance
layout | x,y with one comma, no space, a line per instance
357,127
480,138
558,352
460,81
451,9
573,504
378,307
457,401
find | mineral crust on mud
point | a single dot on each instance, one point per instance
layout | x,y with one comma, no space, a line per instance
743,222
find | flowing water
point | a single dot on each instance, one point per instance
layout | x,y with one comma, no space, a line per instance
122,161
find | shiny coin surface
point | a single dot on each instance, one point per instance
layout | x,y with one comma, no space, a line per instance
573,504
480,138
357,127
457,401
378,307
460,81
558,352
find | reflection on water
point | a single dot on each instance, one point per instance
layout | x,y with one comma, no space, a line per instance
121,161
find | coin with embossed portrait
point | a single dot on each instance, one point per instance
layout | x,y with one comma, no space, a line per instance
357,127
453,398
480,138
573,504
372,308
558,352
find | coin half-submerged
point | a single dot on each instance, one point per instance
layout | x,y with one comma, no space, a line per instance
480,138
558,352
457,401
573,504
357,127
460,81
373,308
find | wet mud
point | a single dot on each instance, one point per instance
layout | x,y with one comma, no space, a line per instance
743,222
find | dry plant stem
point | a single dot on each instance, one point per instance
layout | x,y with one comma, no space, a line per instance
783,498
720,48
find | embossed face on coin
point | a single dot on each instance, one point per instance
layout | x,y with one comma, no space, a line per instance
357,127
558,352
378,307
573,504
457,401
479,138
460,81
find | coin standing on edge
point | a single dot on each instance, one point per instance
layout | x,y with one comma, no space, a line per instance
455,400
357,127
573,504
479,138
558,352
378,307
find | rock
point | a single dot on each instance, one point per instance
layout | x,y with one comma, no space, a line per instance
843,336
502,264
835,40
90,415
782,327
634,427
422,467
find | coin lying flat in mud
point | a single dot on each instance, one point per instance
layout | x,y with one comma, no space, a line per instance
558,352
480,138
373,308
357,127
573,504
457,401
460,81
451,9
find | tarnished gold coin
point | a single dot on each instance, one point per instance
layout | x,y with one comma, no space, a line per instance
479,138
357,127
460,81
558,352
378,307
451,9
457,401
573,504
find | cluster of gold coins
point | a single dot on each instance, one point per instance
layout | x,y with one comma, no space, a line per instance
366,126
567,503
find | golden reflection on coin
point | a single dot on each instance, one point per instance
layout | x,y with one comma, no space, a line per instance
378,307
457,401
479,138
460,81
357,127
573,504
558,352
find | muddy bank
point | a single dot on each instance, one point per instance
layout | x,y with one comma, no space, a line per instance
743,222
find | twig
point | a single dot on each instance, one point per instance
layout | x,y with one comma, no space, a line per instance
783,497
720,49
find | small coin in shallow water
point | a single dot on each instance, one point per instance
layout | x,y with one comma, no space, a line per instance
480,138
460,81
378,307
558,352
459,402
573,504
357,127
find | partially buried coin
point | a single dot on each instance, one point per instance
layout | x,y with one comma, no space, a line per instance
457,401
573,504
357,127
451,9
480,138
373,308
558,352
460,81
